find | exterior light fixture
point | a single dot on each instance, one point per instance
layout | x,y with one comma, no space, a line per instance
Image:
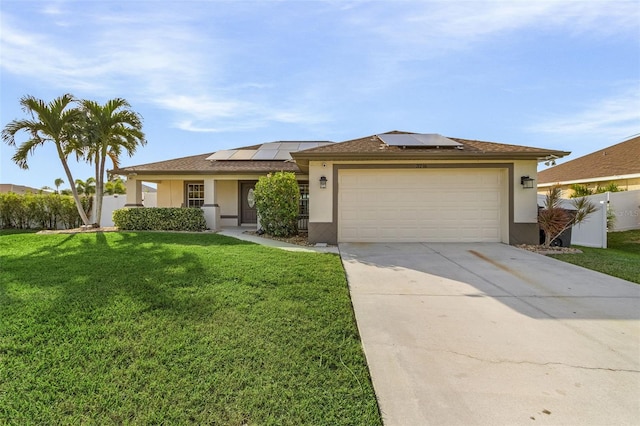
526,182
323,182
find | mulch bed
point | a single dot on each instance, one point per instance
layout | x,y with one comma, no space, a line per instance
300,239
549,250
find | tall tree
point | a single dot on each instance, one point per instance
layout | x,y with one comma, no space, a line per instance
86,187
115,186
57,183
54,122
109,130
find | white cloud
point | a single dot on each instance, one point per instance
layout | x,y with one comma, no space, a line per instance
170,57
612,119
436,27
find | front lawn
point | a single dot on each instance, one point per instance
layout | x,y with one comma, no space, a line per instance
170,328
621,259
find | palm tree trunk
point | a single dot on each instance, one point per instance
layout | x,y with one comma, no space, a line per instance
74,190
99,188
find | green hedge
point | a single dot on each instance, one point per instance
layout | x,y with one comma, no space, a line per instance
160,219
40,211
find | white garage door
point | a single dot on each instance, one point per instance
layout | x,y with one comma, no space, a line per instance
422,205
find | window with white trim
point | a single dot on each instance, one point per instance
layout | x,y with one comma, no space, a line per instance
195,194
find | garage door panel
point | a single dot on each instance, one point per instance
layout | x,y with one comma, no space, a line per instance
445,205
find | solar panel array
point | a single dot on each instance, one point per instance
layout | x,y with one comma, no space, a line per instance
267,151
418,140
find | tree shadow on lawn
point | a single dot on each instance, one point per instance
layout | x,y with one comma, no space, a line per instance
88,270
93,317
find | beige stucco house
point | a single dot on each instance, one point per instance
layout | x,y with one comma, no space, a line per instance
390,187
618,164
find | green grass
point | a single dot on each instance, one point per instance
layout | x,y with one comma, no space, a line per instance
140,328
621,259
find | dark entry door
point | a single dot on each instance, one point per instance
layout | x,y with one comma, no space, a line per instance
248,212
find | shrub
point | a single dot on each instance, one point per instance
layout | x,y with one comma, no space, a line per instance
160,219
39,211
580,191
277,197
584,190
553,219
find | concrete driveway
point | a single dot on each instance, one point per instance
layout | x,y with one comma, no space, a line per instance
490,334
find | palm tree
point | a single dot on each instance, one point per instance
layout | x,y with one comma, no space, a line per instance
54,122
86,187
110,129
115,186
57,183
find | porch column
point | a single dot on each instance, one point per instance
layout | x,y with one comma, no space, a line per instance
210,206
134,192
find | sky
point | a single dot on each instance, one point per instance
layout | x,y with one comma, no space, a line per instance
211,75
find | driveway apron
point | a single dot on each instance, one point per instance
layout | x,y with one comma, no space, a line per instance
489,334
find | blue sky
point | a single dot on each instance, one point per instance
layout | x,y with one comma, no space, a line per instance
209,75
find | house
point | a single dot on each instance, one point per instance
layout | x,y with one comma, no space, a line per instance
19,189
395,186
618,164
220,182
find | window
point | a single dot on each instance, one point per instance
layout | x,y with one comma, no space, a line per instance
304,199
195,194
303,219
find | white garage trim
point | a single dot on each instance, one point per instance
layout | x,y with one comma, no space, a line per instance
422,204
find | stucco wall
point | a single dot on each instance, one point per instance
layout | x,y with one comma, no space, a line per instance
227,199
170,193
525,208
320,200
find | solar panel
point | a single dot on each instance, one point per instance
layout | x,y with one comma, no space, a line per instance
424,140
265,154
243,154
290,146
267,151
283,155
222,155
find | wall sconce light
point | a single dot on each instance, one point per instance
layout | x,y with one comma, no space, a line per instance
323,182
526,182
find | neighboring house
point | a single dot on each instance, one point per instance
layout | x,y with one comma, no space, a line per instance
19,189
147,188
618,164
391,187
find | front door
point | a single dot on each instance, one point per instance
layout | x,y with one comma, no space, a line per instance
248,212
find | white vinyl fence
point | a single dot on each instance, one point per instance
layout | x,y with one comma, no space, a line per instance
111,203
625,207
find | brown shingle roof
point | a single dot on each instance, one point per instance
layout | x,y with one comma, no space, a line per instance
616,160
372,147
198,164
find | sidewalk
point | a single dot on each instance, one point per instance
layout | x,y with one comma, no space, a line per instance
239,233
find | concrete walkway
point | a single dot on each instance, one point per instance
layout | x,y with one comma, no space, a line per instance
488,334
240,233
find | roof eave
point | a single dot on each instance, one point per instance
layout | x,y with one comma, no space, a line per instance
588,180
328,156
194,172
